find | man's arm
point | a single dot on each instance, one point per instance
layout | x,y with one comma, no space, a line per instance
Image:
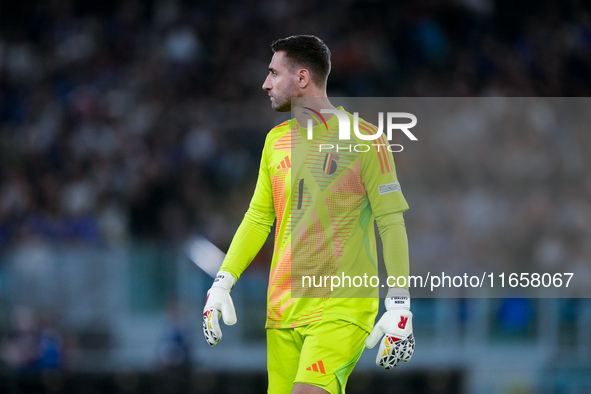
247,242
395,242
394,329
395,326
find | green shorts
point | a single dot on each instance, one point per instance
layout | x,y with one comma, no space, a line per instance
322,354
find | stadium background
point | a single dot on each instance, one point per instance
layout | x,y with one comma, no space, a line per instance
128,126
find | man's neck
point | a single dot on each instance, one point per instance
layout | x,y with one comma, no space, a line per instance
303,105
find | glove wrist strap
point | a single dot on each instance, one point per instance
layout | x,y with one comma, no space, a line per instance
225,280
397,298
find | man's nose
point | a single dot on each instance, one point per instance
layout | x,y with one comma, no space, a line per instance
267,84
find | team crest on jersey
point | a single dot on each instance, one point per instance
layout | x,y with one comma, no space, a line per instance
389,188
330,163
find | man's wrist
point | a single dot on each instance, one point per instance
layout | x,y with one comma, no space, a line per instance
225,280
397,297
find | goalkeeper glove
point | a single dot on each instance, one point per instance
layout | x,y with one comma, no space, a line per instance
398,343
218,302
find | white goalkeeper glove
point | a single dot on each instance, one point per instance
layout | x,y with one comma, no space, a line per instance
218,302
398,343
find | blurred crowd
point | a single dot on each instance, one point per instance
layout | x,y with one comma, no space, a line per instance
34,343
145,119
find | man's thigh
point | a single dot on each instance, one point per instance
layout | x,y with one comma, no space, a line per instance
320,354
330,351
283,358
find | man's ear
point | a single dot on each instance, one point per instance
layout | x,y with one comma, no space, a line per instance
304,78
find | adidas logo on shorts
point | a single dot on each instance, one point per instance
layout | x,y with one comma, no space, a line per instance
317,367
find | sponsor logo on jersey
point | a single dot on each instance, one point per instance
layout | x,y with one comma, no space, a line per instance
285,163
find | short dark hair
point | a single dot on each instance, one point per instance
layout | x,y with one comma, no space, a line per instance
307,51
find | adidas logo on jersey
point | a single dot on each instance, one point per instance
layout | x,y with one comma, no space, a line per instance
285,163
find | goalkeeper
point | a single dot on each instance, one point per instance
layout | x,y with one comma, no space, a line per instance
325,204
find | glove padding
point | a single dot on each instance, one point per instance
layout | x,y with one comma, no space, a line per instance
395,326
218,303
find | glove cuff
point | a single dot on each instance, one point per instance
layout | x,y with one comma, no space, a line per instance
397,297
225,280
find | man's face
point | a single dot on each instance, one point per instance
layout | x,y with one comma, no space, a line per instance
280,83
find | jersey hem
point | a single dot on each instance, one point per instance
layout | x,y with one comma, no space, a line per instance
327,316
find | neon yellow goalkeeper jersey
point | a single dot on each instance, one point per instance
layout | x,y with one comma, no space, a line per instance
324,193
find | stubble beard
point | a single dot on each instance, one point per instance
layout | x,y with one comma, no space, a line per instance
283,103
